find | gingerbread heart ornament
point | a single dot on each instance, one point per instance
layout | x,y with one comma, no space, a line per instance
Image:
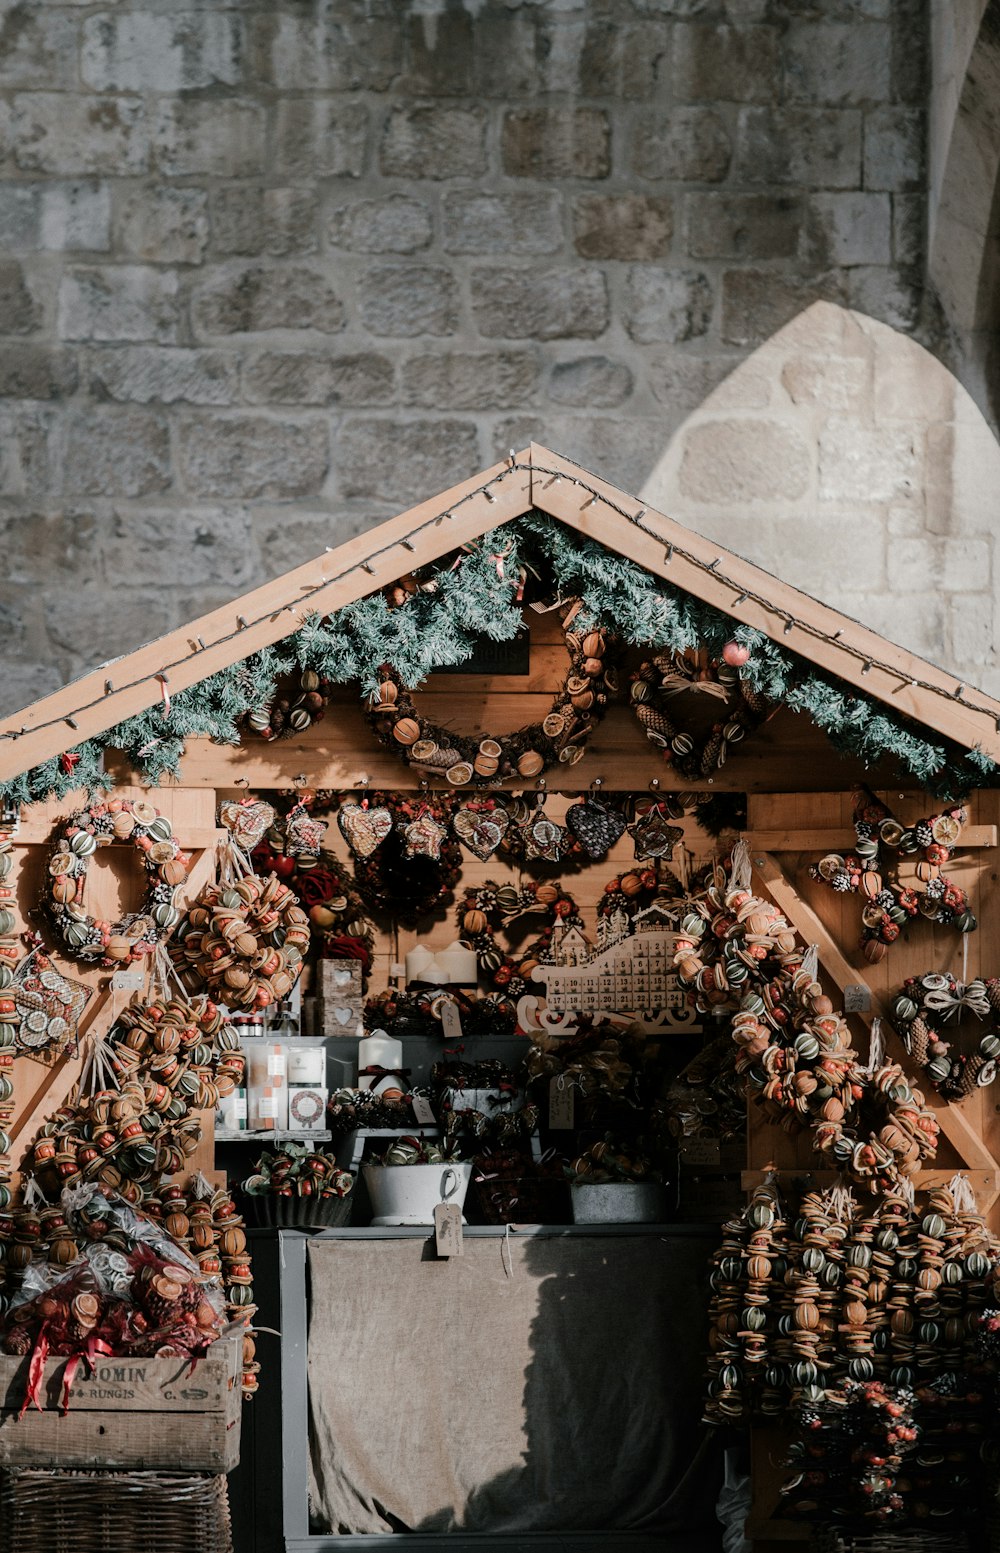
543,839
595,827
247,822
481,830
363,829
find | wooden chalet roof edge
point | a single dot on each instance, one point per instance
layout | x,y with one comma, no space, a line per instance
534,477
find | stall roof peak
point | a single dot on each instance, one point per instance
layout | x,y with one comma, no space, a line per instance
535,479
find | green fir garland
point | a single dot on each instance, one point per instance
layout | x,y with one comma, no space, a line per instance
440,625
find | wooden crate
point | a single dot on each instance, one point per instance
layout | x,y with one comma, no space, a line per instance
130,1414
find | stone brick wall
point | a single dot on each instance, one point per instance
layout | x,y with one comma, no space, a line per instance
271,271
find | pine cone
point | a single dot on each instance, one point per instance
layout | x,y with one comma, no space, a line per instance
968,1084
993,993
710,755
757,703
654,722
918,1037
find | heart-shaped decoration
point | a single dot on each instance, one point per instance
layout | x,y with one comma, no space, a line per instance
247,822
343,1015
543,838
362,828
481,830
595,827
341,978
653,834
425,836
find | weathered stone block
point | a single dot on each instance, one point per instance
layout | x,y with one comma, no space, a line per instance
523,304
817,147
439,57
858,461
591,383
556,143
139,51
726,64
391,462
741,226
849,229
756,303
20,216
622,226
149,375
217,136
60,543
507,57
126,302
885,294
524,221
36,372
395,224
37,47
909,230
686,143
408,299
683,383
252,456
434,142
251,220
666,305
319,137
623,62
115,452
293,377
894,149
744,460
163,225
838,62
830,382
966,565
334,46
56,132
26,682
623,448
25,454
75,215
972,629
466,380
92,633
257,298
166,545
291,536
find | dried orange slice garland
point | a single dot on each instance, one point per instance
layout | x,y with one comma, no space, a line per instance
134,936
243,943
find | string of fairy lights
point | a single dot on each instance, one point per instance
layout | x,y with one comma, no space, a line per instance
639,519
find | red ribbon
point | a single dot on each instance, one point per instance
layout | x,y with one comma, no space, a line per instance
69,761
68,1377
36,1372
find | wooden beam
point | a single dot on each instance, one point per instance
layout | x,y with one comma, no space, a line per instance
983,1182
271,612
955,1126
839,841
832,641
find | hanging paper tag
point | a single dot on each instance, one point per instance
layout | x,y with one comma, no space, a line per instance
276,1064
448,1229
127,981
560,1103
451,1021
423,1111
857,998
701,1151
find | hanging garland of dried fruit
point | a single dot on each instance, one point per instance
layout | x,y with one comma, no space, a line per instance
560,737
737,952
243,941
871,872
406,862
489,906
920,1011
740,708
78,837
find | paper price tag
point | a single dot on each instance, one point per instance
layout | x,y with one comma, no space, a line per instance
276,1064
267,1107
423,1111
240,1107
127,981
448,1229
561,1107
857,998
451,1021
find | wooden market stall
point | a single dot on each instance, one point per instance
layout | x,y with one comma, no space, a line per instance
772,776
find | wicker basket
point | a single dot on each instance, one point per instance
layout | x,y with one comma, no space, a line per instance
275,1212
830,1539
112,1512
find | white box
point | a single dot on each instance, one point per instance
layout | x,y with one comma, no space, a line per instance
306,1108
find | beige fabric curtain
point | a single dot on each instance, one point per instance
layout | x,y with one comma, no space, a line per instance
533,1384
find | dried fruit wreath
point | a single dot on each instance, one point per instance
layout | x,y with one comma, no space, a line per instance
490,905
560,737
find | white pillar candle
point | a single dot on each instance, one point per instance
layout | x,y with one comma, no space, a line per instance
418,958
435,973
461,964
379,1050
